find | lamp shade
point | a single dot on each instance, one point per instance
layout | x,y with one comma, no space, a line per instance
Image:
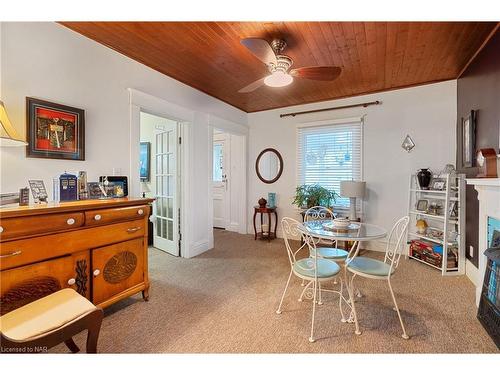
352,189
8,135
145,187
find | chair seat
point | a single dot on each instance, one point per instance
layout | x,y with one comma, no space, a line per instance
44,315
326,268
332,253
369,266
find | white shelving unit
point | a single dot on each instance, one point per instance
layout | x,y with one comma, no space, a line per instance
453,228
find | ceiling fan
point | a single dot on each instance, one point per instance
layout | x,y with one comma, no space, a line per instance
279,65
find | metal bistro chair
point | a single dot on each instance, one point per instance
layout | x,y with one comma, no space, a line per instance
312,268
332,253
380,270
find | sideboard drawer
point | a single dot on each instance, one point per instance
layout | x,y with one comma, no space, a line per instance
106,216
38,224
25,251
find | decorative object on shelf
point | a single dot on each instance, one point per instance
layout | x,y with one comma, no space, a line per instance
262,202
9,137
54,131
435,233
424,178
68,187
486,159
271,199
38,191
24,196
145,161
468,140
269,165
145,189
265,229
448,169
453,209
307,196
422,205
82,185
94,190
421,226
115,186
9,198
435,208
408,143
438,183
352,190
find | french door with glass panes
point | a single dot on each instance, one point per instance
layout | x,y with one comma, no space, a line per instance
166,221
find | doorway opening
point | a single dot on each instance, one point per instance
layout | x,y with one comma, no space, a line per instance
229,181
160,175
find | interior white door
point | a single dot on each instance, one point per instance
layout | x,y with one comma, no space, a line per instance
220,181
166,211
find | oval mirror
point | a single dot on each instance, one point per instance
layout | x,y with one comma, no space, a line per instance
269,165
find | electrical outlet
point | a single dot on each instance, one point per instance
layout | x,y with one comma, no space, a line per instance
471,251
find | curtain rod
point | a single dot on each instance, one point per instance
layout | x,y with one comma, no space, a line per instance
293,114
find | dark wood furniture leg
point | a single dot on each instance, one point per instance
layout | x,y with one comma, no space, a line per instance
261,221
72,346
275,223
254,226
269,227
93,330
145,294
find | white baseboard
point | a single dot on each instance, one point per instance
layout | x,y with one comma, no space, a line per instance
472,273
198,248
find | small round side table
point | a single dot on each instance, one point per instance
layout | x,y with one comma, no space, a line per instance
265,210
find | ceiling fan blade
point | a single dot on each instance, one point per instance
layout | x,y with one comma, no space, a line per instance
253,86
261,49
318,73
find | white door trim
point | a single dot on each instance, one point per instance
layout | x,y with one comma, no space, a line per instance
140,101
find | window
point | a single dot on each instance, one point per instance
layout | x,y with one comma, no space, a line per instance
330,153
217,162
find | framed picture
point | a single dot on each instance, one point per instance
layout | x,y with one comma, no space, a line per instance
468,140
116,186
422,205
54,131
438,184
38,190
94,190
145,161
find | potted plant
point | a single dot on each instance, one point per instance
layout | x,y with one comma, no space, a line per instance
307,196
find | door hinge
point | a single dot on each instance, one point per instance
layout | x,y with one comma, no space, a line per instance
180,140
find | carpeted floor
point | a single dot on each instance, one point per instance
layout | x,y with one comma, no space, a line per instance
225,300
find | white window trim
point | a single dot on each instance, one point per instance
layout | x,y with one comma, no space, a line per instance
336,121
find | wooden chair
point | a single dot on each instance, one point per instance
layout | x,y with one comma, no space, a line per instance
49,321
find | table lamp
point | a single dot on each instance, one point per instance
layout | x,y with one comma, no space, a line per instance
8,135
145,189
352,190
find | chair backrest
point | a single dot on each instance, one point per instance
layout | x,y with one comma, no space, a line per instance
318,213
292,229
396,242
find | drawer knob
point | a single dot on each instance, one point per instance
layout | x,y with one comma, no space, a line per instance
1,229
97,217
140,211
71,281
70,221
96,272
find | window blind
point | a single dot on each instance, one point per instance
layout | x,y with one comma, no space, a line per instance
328,154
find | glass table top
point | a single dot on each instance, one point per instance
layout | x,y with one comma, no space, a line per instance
356,232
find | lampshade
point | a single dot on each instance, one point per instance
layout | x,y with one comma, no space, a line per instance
145,187
278,79
8,136
352,189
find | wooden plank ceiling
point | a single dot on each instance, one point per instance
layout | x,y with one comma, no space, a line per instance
374,56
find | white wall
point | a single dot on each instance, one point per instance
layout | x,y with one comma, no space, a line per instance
427,113
51,62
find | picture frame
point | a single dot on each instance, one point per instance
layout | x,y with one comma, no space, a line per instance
94,190
422,205
54,131
38,190
438,184
468,140
145,161
116,187
453,209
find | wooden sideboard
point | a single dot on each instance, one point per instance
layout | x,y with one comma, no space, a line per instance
97,247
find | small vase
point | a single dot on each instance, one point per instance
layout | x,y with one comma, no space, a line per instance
424,178
262,202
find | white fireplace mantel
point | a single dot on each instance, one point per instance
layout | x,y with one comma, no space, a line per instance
488,190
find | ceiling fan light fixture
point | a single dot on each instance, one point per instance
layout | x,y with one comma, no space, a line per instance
278,79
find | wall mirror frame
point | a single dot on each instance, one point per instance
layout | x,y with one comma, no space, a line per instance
268,177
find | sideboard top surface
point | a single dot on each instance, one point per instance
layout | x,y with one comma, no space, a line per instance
56,207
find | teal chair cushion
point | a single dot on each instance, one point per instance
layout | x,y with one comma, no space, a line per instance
326,268
369,266
332,253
